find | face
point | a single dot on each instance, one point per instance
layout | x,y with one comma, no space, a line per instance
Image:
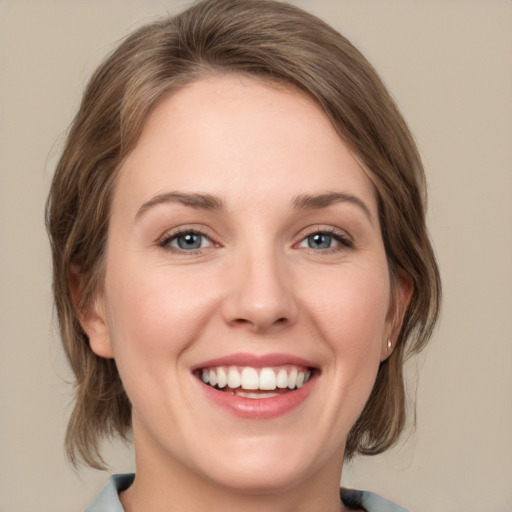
247,295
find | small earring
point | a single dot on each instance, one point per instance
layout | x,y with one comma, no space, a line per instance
389,345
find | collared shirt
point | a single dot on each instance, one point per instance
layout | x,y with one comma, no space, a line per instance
108,499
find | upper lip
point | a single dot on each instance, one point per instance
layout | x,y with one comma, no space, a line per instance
255,361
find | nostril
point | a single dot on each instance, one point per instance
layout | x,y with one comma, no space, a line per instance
259,324
241,321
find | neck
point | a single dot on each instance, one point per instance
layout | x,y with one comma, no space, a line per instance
142,497
169,486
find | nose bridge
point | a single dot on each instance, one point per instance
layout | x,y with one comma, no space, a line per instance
261,295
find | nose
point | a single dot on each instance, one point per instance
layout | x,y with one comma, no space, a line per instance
261,296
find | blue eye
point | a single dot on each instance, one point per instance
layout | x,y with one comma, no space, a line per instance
320,241
187,241
325,240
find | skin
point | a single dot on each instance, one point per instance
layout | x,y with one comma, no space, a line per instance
255,286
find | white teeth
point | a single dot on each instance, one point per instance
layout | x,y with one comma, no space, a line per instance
222,378
292,378
257,396
213,378
268,379
282,379
234,380
250,378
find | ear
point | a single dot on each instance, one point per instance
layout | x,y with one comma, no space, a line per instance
92,317
402,289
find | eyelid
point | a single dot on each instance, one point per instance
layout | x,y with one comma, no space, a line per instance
330,230
341,236
170,235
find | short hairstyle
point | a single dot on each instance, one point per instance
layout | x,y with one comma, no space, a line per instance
275,42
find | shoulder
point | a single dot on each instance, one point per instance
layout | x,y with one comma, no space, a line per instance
108,498
368,501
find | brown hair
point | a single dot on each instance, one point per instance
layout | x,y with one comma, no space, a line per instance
277,42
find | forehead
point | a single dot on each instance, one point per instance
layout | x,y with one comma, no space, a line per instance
232,135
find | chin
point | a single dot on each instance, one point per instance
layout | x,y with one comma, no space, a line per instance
265,479
264,468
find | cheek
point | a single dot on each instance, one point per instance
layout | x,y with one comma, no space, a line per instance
352,317
351,308
155,313
153,318
152,313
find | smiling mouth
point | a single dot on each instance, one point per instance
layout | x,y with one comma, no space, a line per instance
255,383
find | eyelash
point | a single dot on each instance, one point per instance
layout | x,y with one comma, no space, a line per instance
343,240
165,242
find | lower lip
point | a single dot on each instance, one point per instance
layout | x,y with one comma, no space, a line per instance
259,408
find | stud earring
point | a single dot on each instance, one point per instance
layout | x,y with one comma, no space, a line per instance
389,345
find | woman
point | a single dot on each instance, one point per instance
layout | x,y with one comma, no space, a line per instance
241,263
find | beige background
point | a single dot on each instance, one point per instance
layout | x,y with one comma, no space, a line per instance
449,64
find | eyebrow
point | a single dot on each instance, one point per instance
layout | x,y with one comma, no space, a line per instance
192,200
318,201
209,202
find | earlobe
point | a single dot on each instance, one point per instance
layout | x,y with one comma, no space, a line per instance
91,315
402,292
94,324
387,349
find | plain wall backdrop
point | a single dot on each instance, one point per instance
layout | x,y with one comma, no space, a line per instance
449,65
